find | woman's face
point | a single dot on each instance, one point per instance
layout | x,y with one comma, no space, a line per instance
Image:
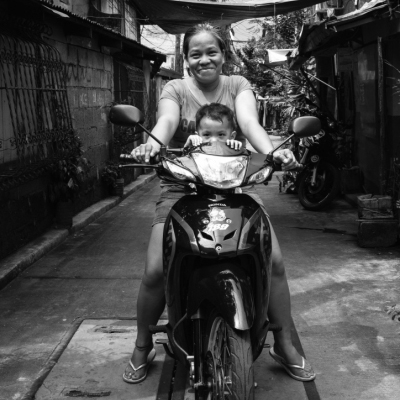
205,58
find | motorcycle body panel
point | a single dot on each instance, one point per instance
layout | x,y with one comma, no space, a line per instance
217,253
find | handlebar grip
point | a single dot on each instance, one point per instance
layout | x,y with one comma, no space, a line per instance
125,157
177,151
129,158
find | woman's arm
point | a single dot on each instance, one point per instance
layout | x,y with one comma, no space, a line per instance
247,117
167,123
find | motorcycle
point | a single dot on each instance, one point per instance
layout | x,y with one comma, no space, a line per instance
318,182
216,260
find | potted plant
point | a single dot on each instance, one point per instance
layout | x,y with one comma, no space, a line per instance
68,175
112,177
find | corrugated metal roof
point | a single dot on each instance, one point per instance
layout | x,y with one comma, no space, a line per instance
176,16
110,32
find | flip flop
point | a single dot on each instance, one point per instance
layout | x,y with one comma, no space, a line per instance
146,366
304,368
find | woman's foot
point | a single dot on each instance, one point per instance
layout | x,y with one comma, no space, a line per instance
136,371
294,364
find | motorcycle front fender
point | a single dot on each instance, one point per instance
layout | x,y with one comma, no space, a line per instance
228,288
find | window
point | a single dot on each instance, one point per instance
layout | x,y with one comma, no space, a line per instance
131,30
114,7
117,15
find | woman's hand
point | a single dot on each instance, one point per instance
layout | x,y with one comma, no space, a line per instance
286,158
142,153
168,119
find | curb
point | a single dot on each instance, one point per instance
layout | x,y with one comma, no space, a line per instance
17,262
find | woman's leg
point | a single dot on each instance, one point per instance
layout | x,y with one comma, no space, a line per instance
151,301
279,311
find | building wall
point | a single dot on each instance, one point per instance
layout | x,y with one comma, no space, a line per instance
367,141
376,154
28,209
90,94
392,84
357,69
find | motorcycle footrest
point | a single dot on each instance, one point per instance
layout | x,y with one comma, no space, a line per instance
158,329
274,328
165,344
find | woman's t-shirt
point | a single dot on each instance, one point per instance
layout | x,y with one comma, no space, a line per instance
191,99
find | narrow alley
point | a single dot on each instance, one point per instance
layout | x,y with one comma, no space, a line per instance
338,289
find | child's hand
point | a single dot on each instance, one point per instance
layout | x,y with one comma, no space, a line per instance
234,144
193,140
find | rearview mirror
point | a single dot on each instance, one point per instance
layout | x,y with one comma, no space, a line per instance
125,115
305,126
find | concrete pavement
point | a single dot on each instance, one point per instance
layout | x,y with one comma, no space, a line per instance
13,265
338,294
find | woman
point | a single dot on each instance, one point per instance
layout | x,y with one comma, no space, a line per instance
204,52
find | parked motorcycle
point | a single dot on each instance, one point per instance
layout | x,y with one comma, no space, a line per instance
318,182
216,260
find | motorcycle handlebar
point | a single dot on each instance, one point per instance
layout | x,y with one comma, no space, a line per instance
153,160
127,158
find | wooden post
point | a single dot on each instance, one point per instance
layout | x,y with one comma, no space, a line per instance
178,53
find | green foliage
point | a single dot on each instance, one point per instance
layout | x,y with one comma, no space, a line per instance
395,81
283,30
69,171
111,173
68,177
291,93
251,56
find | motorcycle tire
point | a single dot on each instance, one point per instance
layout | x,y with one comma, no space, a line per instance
326,189
228,362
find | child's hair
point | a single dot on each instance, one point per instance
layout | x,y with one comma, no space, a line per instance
216,112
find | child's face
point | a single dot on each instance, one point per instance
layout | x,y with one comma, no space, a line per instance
211,130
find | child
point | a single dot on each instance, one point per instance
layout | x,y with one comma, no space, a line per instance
214,122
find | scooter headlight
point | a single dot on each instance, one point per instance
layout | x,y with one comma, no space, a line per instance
221,172
179,172
261,175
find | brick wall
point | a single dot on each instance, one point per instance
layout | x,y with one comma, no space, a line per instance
90,93
27,211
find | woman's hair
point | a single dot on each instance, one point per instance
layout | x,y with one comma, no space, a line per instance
200,28
216,112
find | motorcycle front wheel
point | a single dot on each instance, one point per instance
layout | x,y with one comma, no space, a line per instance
326,188
228,364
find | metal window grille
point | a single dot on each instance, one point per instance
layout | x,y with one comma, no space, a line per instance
36,126
130,23
114,6
130,88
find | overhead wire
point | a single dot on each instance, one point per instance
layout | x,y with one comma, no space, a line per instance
157,46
